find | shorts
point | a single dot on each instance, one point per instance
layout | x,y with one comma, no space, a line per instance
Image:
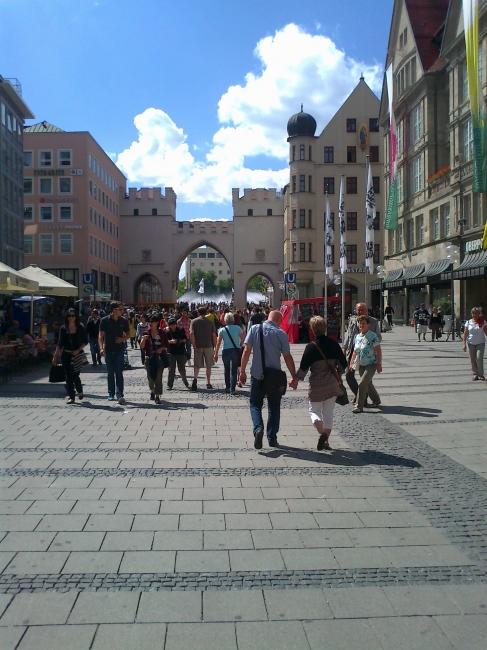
322,411
207,355
421,329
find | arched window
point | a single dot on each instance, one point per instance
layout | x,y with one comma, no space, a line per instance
148,289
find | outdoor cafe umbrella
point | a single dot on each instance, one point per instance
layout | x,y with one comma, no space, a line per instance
12,281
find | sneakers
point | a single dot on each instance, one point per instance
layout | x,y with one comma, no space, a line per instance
111,398
273,443
194,385
157,399
121,400
71,400
258,440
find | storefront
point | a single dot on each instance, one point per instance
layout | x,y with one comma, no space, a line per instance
415,291
395,294
473,273
435,281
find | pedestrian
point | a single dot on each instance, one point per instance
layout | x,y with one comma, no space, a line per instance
177,352
214,318
71,342
420,319
93,331
275,343
185,323
326,362
231,336
142,326
203,339
349,344
155,344
257,317
389,311
114,331
132,329
474,337
435,324
367,355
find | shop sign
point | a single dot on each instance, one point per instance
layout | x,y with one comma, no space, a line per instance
361,269
48,172
65,199
64,227
473,246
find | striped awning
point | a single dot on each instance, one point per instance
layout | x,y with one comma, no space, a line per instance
392,279
471,266
434,269
412,271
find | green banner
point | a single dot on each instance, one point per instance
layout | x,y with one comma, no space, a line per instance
391,220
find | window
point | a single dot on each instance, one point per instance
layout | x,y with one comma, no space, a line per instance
376,253
294,183
302,218
220,263
464,82
329,185
211,255
212,263
65,185
310,252
46,212
295,223
28,213
64,158
250,213
351,125
467,210
91,188
329,154
376,184
400,233
417,118
91,215
301,152
27,185
136,212
400,137
45,185
269,212
374,124
28,158
377,221
65,244
467,141
352,253
420,230
154,212
310,218
476,212
351,221
391,241
446,219
410,234
310,152
45,158
294,152
294,246
302,252
65,213
399,187
193,255
29,244
202,255
417,169
302,181
351,185
90,160
374,154
435,223
310,183
219,255
46,244
91,244
351,154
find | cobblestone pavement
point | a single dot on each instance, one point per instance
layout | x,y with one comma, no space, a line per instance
161,527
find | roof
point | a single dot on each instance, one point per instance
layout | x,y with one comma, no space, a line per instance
427,17
43,127
13,90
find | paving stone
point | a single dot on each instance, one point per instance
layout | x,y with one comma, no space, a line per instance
281,493
465,632
374,537
350,505
5,558
334,537
420,600
41,562
132,541
108,522
285,635
206,636
58,637
297,604
293,520
411,556
14,507
49,608
122,494
242,493
202,561
410,632
163,494
247,522
382,519
338,520
85,493
155,522
362,558
63,522
147,562
310,558
170,607
227,539
130,637
10,637
33,494
202,522
363,602
260,505
277,539
220,606
137,508
470,599
224,506
308,505
108,607
51,507
27,541
4,602
184,540
91,562
341,635
260,560
19,522
203,494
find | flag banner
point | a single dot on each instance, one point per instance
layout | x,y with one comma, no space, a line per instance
369,223
329,239
477,109
202,286
343,234
391,221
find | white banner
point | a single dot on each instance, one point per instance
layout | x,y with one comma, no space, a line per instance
329,239
343,232
369,223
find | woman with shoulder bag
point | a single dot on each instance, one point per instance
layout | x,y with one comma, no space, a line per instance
232,336
326,361
71,342
154,343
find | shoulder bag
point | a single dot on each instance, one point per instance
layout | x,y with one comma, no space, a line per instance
80,360
240,350
342,399
274,381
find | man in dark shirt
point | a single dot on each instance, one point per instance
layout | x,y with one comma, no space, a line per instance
257,317
421,317
177,352
93,331
114,331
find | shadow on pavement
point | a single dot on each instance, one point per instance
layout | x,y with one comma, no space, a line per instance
416,411
343,457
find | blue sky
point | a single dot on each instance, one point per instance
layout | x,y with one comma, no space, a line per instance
210,84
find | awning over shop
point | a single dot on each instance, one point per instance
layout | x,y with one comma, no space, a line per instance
392,279
12,281
472,265
433,270
49,284
412,272
375,286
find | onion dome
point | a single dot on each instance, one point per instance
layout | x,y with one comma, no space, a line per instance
301,124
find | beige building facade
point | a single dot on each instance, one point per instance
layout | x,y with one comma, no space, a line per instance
71,209
206,259
316,165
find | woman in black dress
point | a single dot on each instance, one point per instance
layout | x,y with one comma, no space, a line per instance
72,340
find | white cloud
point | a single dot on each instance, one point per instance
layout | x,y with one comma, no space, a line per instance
295,67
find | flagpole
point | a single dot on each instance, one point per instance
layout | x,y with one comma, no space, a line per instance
342,263
325,292
367,163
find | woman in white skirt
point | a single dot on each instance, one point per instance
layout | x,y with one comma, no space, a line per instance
320,357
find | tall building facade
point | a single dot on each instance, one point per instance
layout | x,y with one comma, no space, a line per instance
316,165
436,204
206,259
13,111
72,191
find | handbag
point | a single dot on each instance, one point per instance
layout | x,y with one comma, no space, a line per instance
274,380
342,399
79,361
56,375
240,350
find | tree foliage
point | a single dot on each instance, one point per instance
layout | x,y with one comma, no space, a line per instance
257,283
225,286
209,277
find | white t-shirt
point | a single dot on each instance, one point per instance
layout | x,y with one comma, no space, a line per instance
475,333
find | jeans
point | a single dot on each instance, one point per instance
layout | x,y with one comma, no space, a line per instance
256,403
180,360
366,386
476,353
72,378
231,359
188,348
95,350
115,372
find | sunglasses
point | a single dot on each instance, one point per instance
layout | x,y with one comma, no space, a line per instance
71,315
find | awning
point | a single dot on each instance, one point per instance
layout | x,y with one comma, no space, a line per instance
12,281
434,269
412,272
392,279
49,284
375,286
472,265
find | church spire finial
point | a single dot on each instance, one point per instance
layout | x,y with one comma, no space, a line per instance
301,107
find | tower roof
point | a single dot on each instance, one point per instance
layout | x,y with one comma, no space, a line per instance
301,124
43,127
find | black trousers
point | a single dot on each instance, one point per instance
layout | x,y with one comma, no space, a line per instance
180,360
72,378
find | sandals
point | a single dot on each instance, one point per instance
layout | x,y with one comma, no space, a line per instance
475,378
357,409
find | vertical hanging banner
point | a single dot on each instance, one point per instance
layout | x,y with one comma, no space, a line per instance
390,222
329,239
477,110
369,223
343,236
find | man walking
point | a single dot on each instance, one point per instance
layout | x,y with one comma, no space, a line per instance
349,343
275,344
177,352
421,317
93,330
257,317
203,339
185,323
114,331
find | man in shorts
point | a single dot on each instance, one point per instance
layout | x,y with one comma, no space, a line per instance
421,317
203,339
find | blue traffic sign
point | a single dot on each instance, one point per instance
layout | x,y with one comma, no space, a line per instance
87,278
290,278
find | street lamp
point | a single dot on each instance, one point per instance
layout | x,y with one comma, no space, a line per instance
452,255
381,273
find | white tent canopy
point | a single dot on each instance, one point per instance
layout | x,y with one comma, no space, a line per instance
49,284
15,281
